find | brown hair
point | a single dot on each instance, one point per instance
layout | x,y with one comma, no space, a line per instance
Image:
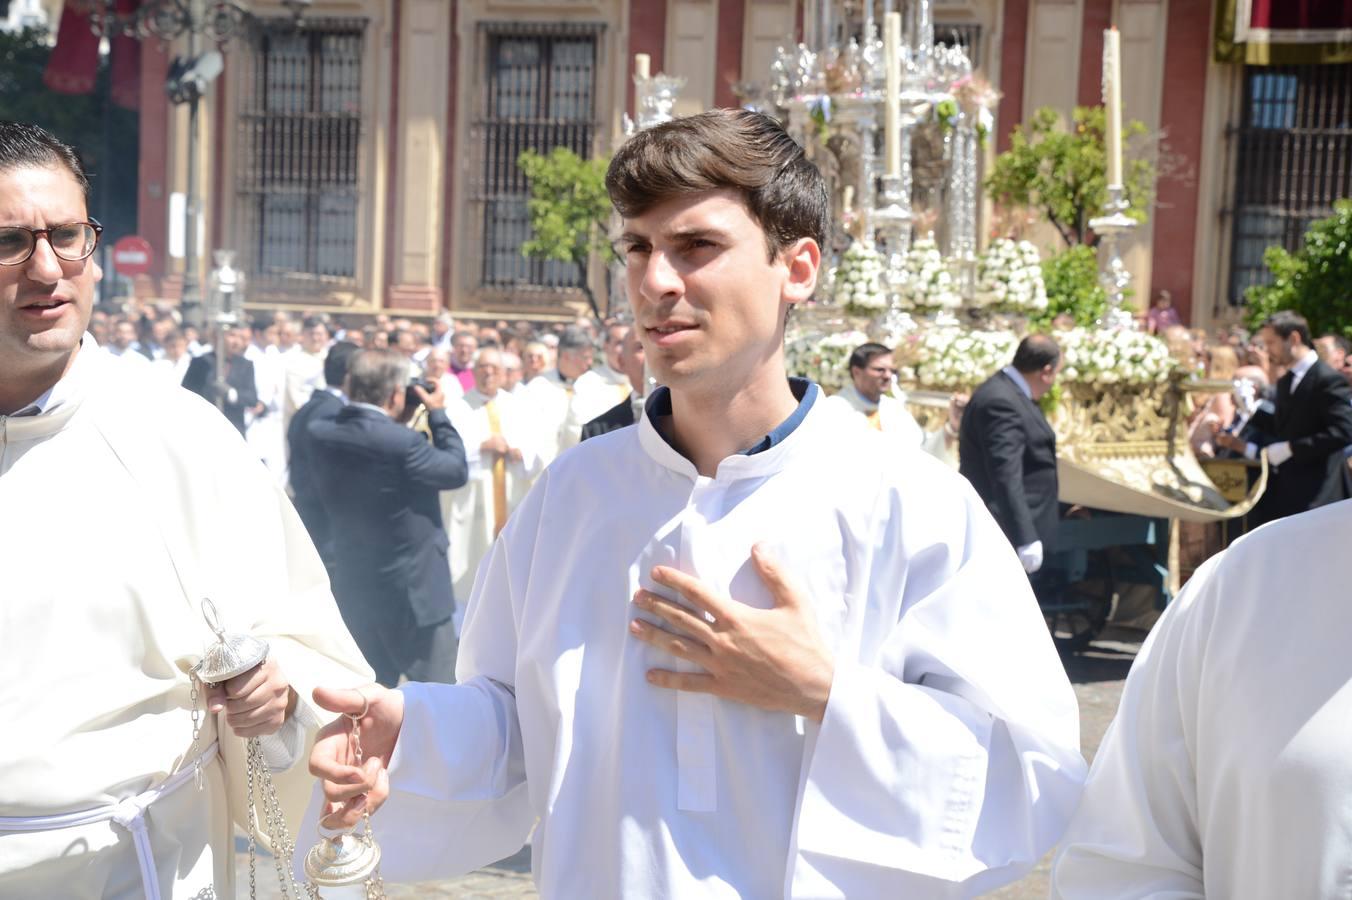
725,149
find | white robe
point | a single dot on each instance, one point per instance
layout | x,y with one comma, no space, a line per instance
558,409
1228,770
896,422
263,433
120,507
597,391
303,374
469,511
948,760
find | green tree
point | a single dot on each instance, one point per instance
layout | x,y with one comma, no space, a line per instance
1072,280
1062,175
1315,281
569,211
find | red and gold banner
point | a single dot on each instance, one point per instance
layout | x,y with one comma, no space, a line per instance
1284,32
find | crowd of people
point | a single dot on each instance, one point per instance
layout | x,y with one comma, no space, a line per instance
511,396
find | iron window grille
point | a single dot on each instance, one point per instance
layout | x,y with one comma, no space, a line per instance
1294,158
299,138
540,83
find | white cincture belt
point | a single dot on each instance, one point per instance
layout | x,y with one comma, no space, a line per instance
129,813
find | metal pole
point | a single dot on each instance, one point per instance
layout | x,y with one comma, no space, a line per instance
192,289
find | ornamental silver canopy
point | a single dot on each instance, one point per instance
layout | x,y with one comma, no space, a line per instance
342,859
231,654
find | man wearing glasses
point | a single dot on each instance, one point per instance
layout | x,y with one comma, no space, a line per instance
124,502
872,393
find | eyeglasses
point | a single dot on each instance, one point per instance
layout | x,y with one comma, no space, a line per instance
880,370
72,242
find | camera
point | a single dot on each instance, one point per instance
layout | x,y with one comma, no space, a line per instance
411,398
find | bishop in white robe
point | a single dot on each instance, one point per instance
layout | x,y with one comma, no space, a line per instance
124,501
1228,770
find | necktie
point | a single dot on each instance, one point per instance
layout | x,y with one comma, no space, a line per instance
875,420
499,470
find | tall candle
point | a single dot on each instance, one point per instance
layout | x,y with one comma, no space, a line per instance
1112,101
892,104
642,65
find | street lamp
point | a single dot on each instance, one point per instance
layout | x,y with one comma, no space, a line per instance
189,75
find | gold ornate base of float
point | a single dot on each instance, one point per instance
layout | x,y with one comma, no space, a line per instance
1124,449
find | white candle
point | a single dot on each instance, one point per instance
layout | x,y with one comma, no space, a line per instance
1112,101
892,105
642,65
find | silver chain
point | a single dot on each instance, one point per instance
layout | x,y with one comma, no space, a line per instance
194,696
375,886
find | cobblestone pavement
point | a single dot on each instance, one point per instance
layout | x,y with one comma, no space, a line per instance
1097,675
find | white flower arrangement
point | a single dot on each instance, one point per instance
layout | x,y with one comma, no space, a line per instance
823,358
955,358
929,285
857,281
1009,277
1113,357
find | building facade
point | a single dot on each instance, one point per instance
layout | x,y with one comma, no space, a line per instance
365,162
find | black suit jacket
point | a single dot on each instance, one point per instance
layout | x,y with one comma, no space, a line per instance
239,374
621,415
1008,453
1317,419
380,483
305,491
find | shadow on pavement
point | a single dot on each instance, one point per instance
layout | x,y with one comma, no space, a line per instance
1108,658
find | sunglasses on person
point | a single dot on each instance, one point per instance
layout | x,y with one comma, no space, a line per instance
72,242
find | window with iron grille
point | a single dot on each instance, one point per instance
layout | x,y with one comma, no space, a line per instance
1294,159
539,93
300,123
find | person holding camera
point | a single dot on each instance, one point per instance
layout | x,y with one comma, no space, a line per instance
380,483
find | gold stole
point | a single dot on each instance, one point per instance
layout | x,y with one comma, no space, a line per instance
499,470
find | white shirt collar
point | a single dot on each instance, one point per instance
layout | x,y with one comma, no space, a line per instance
58,393
1301,366
1017,377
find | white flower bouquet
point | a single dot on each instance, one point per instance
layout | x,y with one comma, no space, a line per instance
929,284
858,281
1112,357
1009,278
955,358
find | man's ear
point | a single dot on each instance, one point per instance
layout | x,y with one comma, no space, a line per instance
803,259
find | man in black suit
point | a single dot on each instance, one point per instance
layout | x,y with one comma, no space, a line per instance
1008,451
1309,427
380,484
323,406
621,415
239,390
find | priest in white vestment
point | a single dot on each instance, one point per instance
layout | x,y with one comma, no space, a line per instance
263,427
873,394
304,368
735,651
124,502
499,447
603,386
1228,770
550,396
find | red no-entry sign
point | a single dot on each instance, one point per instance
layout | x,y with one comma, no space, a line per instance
132,256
